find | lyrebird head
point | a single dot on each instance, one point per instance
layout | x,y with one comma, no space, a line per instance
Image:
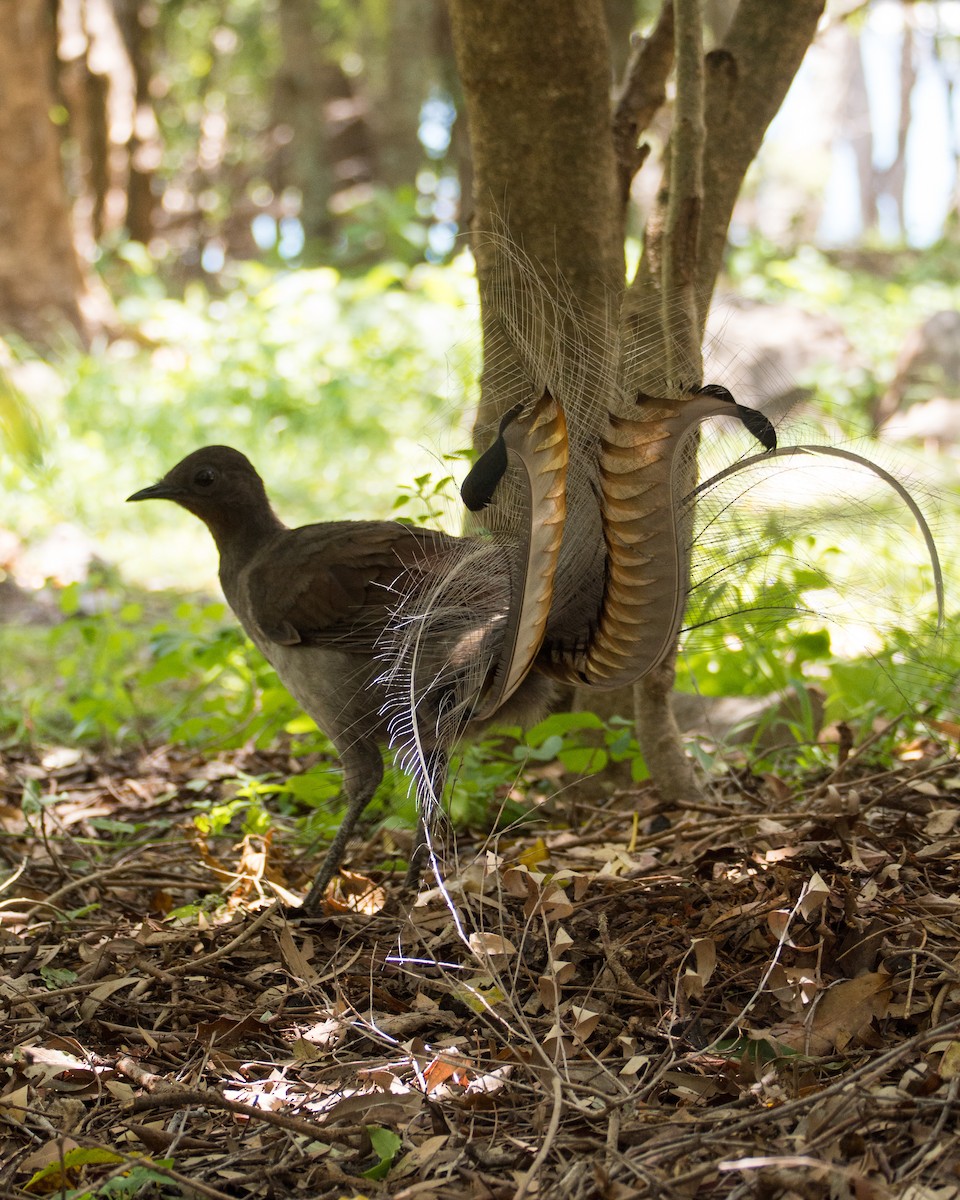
220,486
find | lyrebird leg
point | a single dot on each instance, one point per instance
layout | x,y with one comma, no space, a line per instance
362,772
429,795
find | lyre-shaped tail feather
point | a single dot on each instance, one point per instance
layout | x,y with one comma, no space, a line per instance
645,465
537,443
467,629
860,460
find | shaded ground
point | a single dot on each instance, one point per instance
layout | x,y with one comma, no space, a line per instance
759,997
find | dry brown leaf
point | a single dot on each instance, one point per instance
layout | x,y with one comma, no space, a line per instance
549,991
444,1068
950,1062
491,945
843,1013
585,1021
227,1031
815,895
942,822
705,958
294,959
349,891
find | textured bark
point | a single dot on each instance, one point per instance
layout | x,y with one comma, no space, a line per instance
536,80
642,93
681,243
41,281
657,730
745,83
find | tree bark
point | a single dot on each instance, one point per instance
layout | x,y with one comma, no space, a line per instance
639,98
657,730
551,167
745,83
536,80
410,68
330,149
747,80
300,103
41,280
143,144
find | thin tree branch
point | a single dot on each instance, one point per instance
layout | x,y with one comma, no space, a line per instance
682,235
642,93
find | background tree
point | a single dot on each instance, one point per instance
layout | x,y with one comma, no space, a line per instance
536,82
41,280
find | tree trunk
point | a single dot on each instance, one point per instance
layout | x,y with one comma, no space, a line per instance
143,144
41,281
553,169
409,70
330,149
536,80
678,318
746,82
300,104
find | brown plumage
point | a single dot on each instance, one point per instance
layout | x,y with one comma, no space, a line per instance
316,601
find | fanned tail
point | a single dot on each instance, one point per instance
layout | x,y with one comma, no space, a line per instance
468,630
587,509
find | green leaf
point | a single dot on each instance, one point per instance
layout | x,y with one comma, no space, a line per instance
57,977
561,724
548,749
78,1157
584,760
386,1145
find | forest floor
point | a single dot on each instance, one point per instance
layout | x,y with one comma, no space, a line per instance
757,996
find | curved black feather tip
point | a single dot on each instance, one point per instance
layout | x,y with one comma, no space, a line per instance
477,489
759,425
754,421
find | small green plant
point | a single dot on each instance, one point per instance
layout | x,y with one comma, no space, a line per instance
489,774
432,495
582,743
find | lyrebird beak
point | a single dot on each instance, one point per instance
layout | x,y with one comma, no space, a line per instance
157,491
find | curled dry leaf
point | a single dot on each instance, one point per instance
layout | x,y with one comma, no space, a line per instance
351,892
585,1022
950,1063
705,961
815,895
491,945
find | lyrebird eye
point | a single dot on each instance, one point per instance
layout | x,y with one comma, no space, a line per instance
205,477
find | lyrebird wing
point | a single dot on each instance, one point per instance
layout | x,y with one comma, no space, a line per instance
336,583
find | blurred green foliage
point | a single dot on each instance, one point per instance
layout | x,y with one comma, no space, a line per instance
19,429
347,395
340,390
877,297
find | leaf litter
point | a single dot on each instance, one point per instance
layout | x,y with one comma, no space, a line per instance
756,996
